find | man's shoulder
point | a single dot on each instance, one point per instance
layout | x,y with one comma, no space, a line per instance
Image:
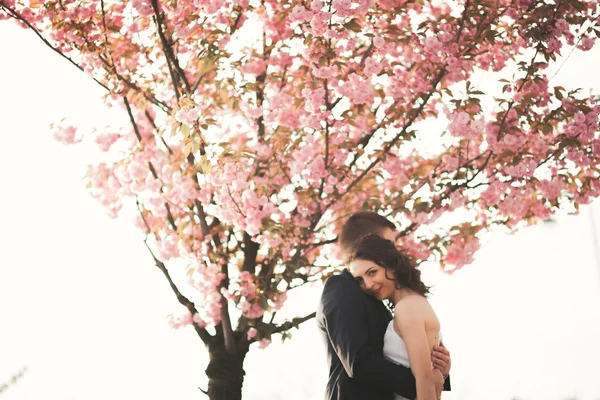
341,287
343,278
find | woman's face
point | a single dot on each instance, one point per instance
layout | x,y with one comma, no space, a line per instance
371,278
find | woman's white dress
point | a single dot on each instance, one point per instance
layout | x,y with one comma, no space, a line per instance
394,350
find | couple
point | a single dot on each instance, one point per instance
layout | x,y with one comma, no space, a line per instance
372,355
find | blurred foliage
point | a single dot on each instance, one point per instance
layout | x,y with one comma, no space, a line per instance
13,380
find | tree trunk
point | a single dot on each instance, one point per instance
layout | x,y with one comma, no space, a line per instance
225,372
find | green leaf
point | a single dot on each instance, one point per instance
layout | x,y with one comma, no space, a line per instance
187,149
185,131
285,336
189,272
421,207
353,26
262,302
558,93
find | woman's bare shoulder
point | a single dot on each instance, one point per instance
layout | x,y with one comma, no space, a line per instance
411,301
411,306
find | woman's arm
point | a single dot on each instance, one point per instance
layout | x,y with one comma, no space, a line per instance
409,321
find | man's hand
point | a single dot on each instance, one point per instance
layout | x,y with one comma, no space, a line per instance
440,357
438,382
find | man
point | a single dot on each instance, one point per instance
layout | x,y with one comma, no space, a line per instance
353,324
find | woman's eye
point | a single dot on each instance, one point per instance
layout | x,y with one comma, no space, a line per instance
372,272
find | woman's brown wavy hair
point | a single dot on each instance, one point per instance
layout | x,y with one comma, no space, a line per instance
385,254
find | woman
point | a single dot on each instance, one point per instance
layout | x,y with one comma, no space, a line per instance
385,273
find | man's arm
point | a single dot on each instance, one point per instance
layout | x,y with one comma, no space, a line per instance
343,309
441,361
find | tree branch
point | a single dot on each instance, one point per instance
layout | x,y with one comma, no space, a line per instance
294,323
228,337
14,14
390,144
168,50
191,307
250,253
462,21
18,17
13,379
150,166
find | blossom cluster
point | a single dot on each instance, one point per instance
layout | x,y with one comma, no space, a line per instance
247,151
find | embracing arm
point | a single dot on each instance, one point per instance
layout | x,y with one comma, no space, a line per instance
442,362
345,319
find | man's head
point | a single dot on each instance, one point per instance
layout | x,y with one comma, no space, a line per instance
361,224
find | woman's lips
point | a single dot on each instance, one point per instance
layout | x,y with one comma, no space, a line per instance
376,293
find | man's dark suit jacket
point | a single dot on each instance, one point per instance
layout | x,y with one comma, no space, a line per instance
353,325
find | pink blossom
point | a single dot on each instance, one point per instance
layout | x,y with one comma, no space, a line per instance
254,68
168,248
199,321
248,290
143,7
432,45
264,343
343,8
226,294
461,251
251,310
183,320
513,141
514,206
105,141
279,301
493,192
561,26
463,126
550,189
357,89
299,14
187,115
450,163
66,134
251,333
540,211
319,23
137,170
326,72
378,42
314,99
587,43
245,276
372,67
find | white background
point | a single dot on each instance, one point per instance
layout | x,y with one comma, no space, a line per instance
84,308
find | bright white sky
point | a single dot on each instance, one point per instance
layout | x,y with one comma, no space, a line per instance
82,305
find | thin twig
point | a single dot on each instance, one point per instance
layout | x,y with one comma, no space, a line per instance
293,323
191,307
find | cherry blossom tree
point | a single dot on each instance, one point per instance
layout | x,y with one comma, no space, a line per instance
256,126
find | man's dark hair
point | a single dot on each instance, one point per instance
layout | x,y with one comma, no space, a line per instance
359,225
